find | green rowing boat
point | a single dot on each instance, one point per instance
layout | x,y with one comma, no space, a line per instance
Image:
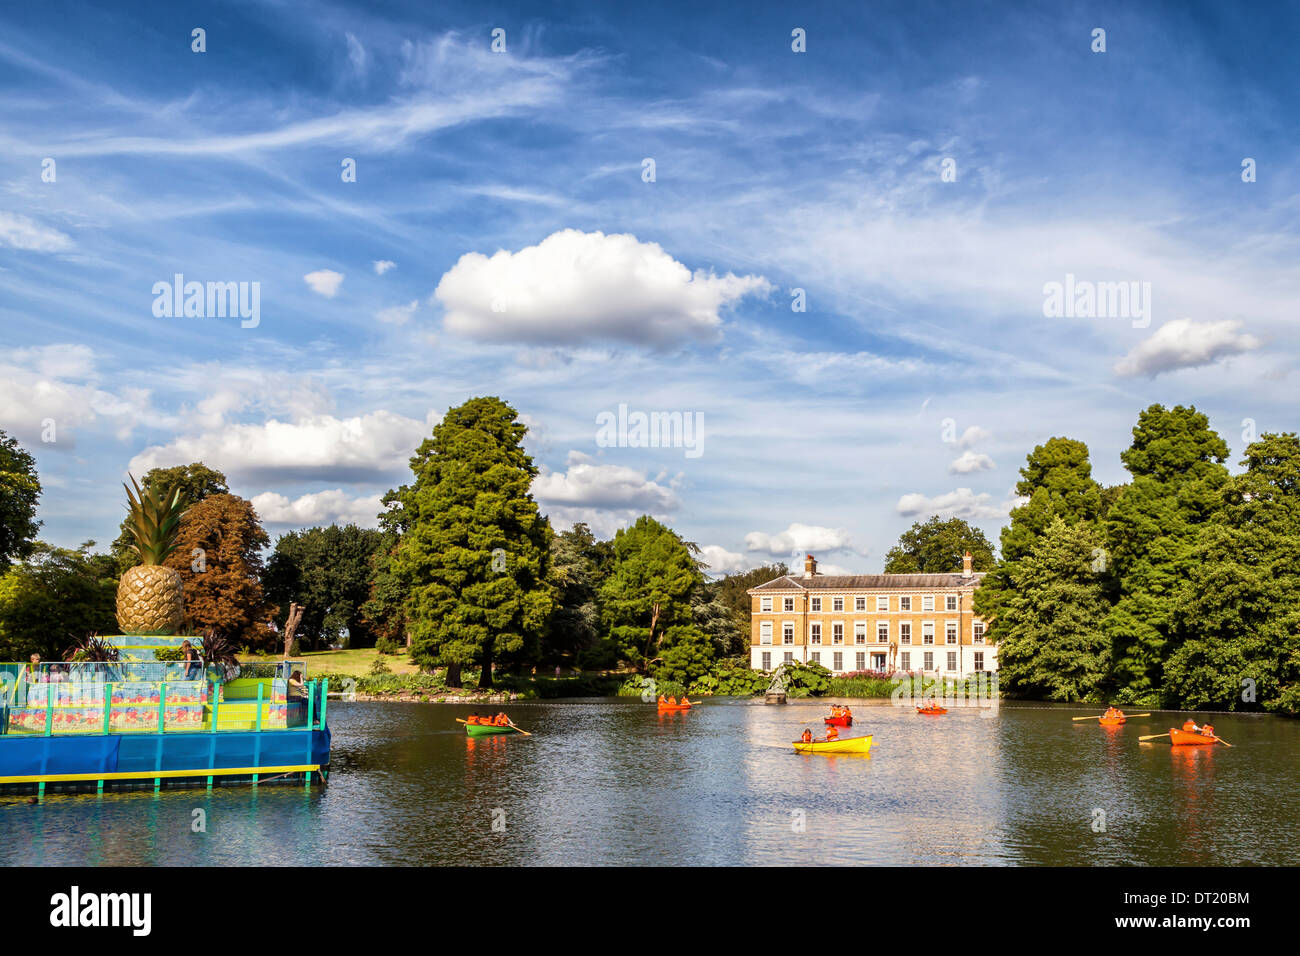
487,730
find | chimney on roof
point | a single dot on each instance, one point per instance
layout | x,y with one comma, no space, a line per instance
809,566
965,566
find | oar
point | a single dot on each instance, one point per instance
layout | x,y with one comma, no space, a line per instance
1222,741
1153,736
524,732
1099,716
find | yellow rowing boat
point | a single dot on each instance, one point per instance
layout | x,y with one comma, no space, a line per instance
844,745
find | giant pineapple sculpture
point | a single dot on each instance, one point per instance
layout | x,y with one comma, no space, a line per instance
149,599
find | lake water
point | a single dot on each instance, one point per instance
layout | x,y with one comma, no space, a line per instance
611,782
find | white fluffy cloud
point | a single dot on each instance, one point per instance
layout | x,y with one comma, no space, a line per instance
604,486
325,282
19,232
398,314
576,286
383,265
798,538
48,392
969,462
973,435
962,503
606,497
1183,343
367,447
320,508
721,561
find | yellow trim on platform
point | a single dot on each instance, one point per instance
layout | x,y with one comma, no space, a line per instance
156,774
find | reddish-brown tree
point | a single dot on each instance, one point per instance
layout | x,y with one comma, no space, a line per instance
219,559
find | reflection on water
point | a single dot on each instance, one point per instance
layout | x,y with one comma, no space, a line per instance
614,781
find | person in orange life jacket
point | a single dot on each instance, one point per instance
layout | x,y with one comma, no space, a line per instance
807,736
832,732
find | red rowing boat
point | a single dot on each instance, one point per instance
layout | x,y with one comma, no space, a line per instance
932,710
672,707
840,721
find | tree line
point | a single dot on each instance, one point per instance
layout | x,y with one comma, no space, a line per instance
1179,588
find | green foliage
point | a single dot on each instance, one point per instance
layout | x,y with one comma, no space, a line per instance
20,489
475,552
732,677
383,613
327,571
939,546
732,590
649,587
54,597
386,645
1151,536
194,481
804,680
1194,574
860,685
1050,644
168,654
578,563
379,665
603,656
1057,480
686,654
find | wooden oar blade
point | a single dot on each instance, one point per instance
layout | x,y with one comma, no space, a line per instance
1153,736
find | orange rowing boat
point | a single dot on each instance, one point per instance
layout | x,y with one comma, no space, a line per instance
1183,738
932,710
1111,721
670,707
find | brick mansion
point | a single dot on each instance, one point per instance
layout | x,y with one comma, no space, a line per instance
871,622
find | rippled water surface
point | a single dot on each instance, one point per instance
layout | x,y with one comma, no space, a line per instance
611,782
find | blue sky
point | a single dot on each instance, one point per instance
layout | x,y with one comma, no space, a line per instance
530,259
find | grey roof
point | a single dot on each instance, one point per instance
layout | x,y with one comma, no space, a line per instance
864,582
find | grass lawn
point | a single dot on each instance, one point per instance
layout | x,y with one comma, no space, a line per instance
353,663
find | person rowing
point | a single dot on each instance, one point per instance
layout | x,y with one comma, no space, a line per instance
807,736
662,700
685,701
845,712
832,733
1207,730
1190,726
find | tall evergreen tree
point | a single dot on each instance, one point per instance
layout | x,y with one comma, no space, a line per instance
1057,481
1050,644
475,551
1236,622
1176,460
